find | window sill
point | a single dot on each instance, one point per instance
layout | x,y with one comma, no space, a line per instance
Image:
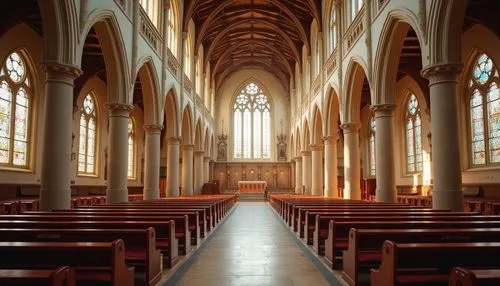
482,169
14,169
87,176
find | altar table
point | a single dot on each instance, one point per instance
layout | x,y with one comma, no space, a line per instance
252,186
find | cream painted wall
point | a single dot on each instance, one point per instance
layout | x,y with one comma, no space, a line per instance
275,91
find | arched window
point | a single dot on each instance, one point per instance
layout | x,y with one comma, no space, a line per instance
333,31
15,107
413,123
252,124
171,30
187,57
356,6
317,60
87,142
484,111
131,149
151,9
372,150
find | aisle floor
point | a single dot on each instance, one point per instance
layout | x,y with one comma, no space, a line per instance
252,248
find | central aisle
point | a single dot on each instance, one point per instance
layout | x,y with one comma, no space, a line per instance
252,248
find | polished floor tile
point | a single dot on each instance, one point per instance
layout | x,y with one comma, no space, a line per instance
252,248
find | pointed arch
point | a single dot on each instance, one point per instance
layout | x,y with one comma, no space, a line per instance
307,135
332,112
355,75
198,140
298,147
317,126
171,118
187,126
150,90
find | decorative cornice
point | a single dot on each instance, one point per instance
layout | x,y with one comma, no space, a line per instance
350,127
199,153
383,110
61,68
174,140
117,106
188,147
441,72
153,128
330,139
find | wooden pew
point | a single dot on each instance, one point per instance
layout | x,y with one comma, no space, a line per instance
338,232
320,229
61,276
365,245
431,263
163,229
474,277
140,244
92,261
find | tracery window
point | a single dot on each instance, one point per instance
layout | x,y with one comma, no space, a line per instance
356,6
413,123
131,149
151,9
252,124
87,142
172,36
333,31
484,112
15,110
371,146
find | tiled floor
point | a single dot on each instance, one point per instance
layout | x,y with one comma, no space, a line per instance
252,248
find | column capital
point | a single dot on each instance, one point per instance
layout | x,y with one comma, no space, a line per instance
153,128
199,153
316,147
61,68
331,139
206,158
442,72
383,110
188,147
298,159
175,140
306,152
117,109
351,127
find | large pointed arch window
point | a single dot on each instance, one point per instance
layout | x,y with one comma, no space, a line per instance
413,130
15,107
131,149
252,124
333,31
171,31
151,9
88,132
484,112
371,147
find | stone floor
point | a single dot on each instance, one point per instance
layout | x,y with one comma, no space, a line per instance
252,248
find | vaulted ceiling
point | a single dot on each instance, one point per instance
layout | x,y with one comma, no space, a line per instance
263,34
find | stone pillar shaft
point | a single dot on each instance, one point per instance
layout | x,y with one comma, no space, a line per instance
117,191
352,176
173,167
331,189
384,146
206,169
198,171
306,171
298,175
446,169
317,170
187,170
55,191
152,162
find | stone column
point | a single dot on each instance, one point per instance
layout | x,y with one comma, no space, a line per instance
331,189
187,170
306,171
117,191
352,176
152,162
317,170
198,171
298,175
173,167
384,152
55,191
206,169
446,170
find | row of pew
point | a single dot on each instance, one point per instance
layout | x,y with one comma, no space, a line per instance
106,244
388,244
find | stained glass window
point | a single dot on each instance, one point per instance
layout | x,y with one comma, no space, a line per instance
131,149
484,112
172,36
252,124
333,30
372,150
88,132
413,131
15,94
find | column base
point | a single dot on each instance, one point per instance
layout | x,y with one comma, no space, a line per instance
151,194
448,199
331,193
55,199
386,195
317,192
298,190
116,196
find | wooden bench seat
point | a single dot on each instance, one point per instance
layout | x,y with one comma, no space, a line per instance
140,245
61,276
364,247
474,277
338,232
431,263
91,261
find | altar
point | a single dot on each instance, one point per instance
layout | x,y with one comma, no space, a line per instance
252,186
